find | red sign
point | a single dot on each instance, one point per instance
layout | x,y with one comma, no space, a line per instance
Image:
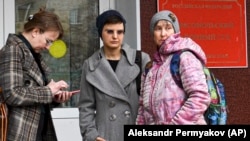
218,26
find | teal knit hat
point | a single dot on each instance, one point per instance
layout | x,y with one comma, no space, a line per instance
165,15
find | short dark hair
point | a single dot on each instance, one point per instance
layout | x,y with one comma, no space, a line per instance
109,17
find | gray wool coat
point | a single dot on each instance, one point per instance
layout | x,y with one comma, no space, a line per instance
108,99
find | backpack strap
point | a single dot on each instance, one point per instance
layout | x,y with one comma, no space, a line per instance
174,67
138,78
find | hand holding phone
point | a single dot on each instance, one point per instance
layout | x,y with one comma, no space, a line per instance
75,92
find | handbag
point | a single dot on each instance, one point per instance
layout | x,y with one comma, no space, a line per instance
3,118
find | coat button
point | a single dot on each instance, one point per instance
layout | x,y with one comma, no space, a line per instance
112,104
26,82
127,114
112,117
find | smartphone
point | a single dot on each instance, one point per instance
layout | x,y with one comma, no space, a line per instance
75,92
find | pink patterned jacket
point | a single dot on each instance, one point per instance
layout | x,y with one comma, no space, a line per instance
161,100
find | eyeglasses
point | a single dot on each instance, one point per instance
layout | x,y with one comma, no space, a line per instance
48,42
119,32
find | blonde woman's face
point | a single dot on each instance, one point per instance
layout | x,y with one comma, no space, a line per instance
162,30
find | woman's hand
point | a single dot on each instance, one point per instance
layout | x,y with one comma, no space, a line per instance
55,87
62,96
100,139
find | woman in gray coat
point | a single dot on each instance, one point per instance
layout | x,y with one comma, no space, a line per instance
109,98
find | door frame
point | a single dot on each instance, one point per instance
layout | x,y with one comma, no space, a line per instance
7,25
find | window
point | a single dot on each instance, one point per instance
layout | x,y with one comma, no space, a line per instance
81,38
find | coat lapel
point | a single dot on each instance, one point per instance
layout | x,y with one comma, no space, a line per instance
105,80
35,73
125,72
32,68
112,83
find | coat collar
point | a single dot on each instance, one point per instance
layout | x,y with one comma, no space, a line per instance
31,65
97,56
106,80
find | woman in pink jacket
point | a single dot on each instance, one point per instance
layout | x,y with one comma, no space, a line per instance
162,101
